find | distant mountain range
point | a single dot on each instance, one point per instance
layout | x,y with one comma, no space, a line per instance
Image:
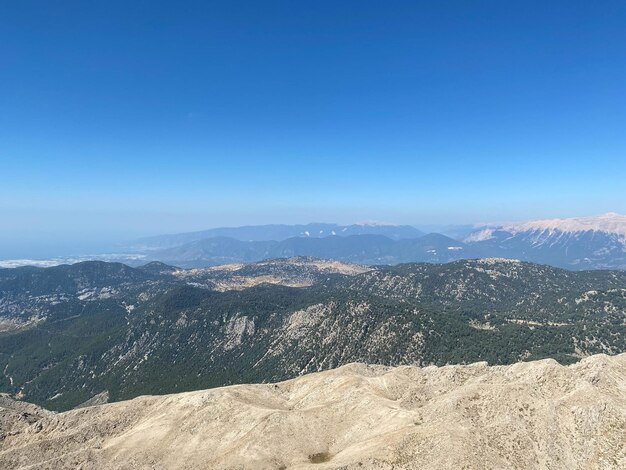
278,232
363,249
575,244
578,243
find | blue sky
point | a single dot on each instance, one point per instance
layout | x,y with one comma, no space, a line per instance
120,119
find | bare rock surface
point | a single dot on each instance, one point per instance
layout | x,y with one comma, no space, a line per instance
524,416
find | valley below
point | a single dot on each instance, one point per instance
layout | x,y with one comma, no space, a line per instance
95,329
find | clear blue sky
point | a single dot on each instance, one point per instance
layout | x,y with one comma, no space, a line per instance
119,119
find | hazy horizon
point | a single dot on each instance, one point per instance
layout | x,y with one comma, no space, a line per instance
121,120
31,246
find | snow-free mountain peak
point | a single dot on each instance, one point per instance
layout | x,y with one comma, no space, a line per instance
610,222
575,243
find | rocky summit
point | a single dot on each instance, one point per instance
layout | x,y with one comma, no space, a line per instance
528,415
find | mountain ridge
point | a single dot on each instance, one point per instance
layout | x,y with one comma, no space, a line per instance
580,243
278,232
361,249
189,329
577,243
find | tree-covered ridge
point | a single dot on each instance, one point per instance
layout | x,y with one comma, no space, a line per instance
74,331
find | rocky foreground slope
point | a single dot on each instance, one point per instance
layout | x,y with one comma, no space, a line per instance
527,415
